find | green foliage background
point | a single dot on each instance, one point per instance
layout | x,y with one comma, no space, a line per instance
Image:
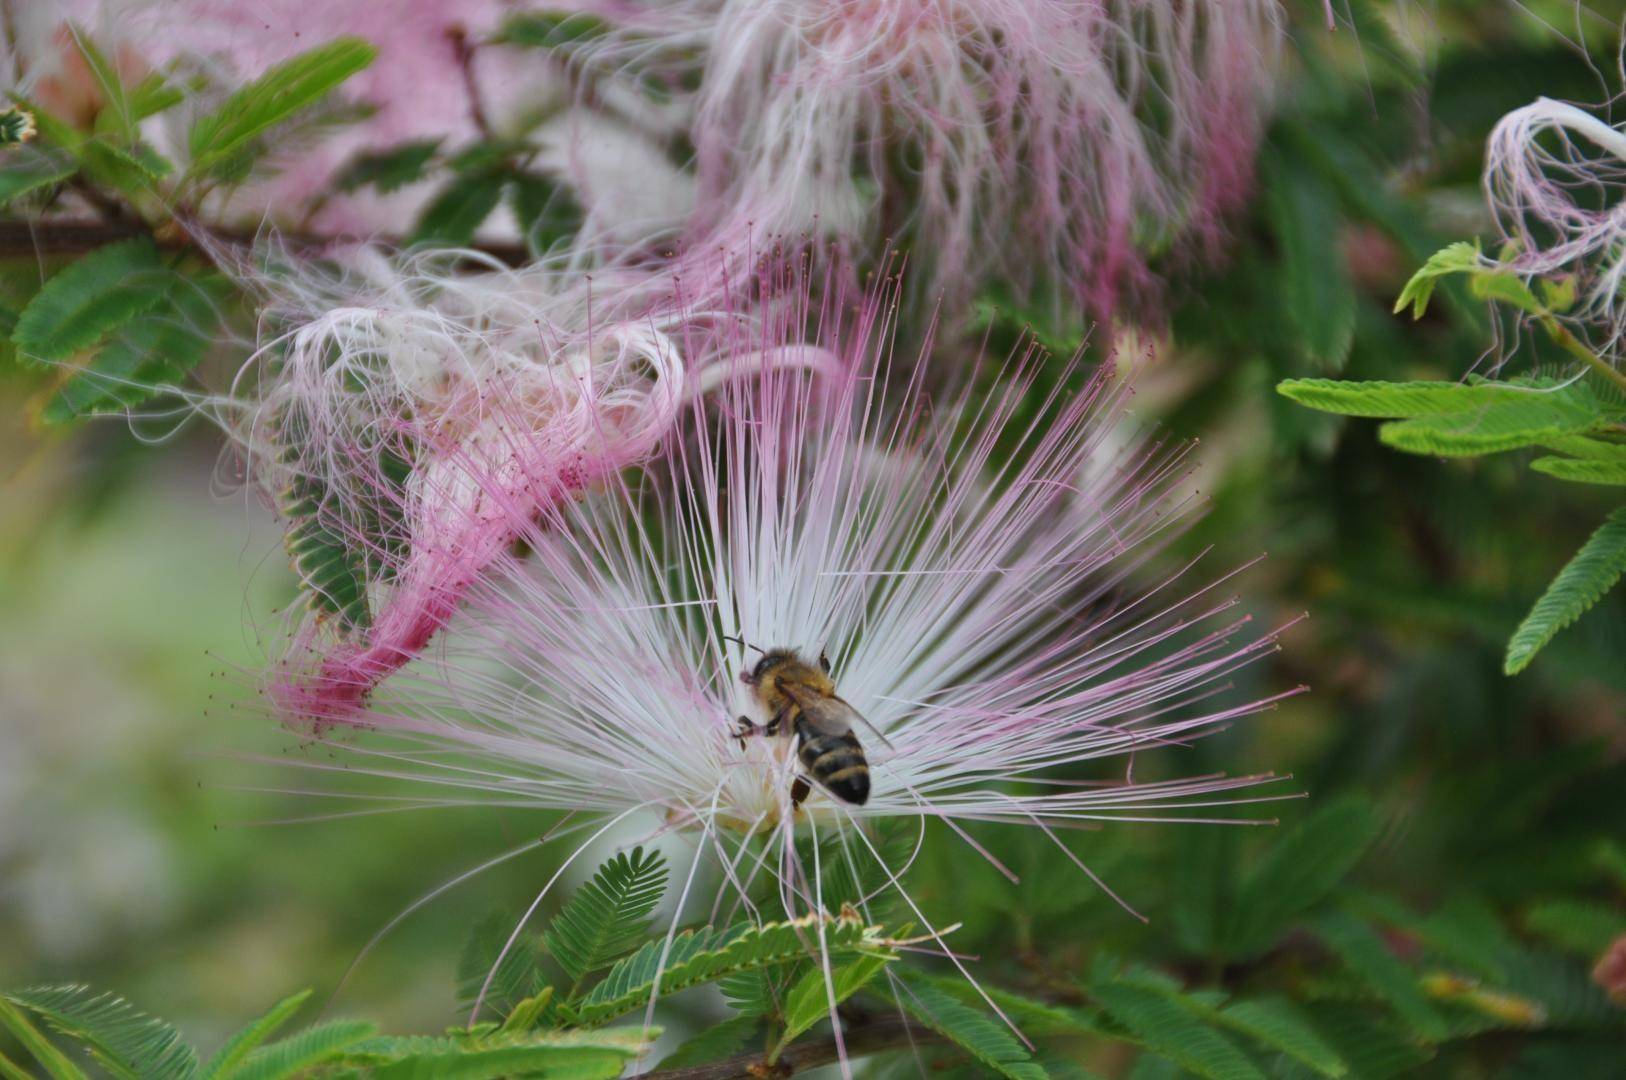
1433,908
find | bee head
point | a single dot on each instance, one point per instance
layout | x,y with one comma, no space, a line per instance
771,659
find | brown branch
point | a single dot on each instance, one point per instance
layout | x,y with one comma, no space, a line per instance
464,51
860,1040
75,237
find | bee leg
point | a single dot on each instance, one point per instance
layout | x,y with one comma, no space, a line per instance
745,730
775,724
799,790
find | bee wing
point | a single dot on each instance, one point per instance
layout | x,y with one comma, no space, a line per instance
829,715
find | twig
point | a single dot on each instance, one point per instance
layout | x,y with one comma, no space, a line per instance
464,51
861,1039
73,237
1574,346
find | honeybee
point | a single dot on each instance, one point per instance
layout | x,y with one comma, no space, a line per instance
802,696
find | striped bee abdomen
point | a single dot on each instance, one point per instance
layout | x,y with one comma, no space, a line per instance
837,762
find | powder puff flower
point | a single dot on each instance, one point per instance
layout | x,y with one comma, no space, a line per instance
409,421
1046,142
976,574
1553,178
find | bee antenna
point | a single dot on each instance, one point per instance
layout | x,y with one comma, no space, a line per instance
742,641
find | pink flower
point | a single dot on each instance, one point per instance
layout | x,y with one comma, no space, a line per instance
1052,144
976,574
413,423
1554,175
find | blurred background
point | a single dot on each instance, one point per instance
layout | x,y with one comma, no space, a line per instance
147,840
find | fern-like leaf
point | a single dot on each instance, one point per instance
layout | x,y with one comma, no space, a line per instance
318,1045
713,1043
985,1038
53,1061
1367,956
127,1042
94,296
389,170
552,1056
1460,257
517,977
453,216
1374,1047
246,1041
1158,1016
21,178
706,955
1301,869
608,916
154,350
809,998
1278,1024
226,134
1582,471
1532,419
1582,927
1583,582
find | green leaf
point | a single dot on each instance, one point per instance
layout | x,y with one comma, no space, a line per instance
1370,960
392,169
1278,1024
706,955
1205,880
1583,927
116,115
1583,582
451,219
713,1043
153,350
52,129
136,169
1465,932
20,179
10,1070
600,1055
1314,277
92,297
529,1012
1035,1018
550,29
52,1060
1300,870
986,1039
751,993
1582,471
275,96
517,978
331,573
1457,258
1168,1026
809,999
317,1045
608,916
1374,1047
1534,419
127,1042
1505,286
1590,449
152,96
1390,400
548,213
240,1045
